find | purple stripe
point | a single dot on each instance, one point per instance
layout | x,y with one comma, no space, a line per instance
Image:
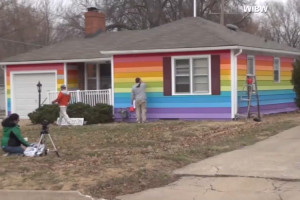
181,113
189,110
186,110
133,120
274,108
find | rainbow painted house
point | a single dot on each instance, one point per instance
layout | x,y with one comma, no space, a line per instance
194,69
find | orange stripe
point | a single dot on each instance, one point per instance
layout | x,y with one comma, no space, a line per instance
264,67
60,72
225,66
140,69
264,62
137,64
242,62
225,60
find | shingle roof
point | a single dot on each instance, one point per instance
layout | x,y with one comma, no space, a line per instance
184,33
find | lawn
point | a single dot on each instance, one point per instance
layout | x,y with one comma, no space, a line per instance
108,160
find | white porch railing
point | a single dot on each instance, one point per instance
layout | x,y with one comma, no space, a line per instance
91,97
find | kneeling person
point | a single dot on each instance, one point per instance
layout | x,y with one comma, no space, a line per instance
12,138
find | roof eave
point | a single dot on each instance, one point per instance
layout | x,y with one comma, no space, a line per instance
55,61
123,52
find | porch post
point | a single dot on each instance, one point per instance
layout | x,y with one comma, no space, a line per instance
78,96
65,75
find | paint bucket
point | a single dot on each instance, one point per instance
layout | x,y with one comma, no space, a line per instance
131,109
250,81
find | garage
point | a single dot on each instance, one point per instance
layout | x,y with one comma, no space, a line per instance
24,90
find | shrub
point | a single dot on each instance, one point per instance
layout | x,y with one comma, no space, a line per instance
296,81
45,112
101,113
78,110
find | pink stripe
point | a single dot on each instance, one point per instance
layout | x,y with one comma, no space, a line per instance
242,57
288,60
35,67
138,59
264,58
158,57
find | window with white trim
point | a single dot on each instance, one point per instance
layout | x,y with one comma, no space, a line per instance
251,65
191,75
277,68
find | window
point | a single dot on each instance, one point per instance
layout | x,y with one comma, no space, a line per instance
277,70
251,65
191,75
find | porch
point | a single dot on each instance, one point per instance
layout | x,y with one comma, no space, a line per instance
88,82
91,97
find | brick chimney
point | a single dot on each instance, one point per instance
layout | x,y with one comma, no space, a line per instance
94,22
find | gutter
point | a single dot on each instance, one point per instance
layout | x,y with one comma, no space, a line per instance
123,52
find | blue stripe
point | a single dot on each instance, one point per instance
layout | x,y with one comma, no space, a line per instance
179,105
179,100
271,97
273,92
268,102
160,94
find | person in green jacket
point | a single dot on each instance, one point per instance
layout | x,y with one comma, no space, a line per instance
12,137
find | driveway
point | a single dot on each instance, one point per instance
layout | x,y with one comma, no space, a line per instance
268,170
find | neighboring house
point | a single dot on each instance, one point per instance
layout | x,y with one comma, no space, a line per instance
194,69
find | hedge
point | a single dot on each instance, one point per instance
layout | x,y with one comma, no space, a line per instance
100,113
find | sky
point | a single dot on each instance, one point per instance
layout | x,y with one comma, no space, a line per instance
259,2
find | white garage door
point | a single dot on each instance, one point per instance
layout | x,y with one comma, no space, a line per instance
25,93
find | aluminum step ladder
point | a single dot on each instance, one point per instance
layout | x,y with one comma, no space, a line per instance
250,89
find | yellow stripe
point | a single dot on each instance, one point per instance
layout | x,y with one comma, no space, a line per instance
225,77
73,86
225,72
139,74
225,88
60,82
278,87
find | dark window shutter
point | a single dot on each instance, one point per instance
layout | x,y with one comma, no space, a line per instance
215,75
167,76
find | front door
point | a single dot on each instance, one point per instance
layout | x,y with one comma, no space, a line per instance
97,76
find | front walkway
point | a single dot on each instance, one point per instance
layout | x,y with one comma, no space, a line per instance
268,170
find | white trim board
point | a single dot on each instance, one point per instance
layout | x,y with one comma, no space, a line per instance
112,64
5,87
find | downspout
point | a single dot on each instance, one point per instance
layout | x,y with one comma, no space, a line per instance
235,83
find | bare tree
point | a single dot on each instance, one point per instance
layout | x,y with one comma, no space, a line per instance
282,23
144,14
24,26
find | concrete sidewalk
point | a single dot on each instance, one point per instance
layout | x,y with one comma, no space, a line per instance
267,170
41,195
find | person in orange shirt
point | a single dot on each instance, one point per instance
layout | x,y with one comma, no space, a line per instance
63,100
